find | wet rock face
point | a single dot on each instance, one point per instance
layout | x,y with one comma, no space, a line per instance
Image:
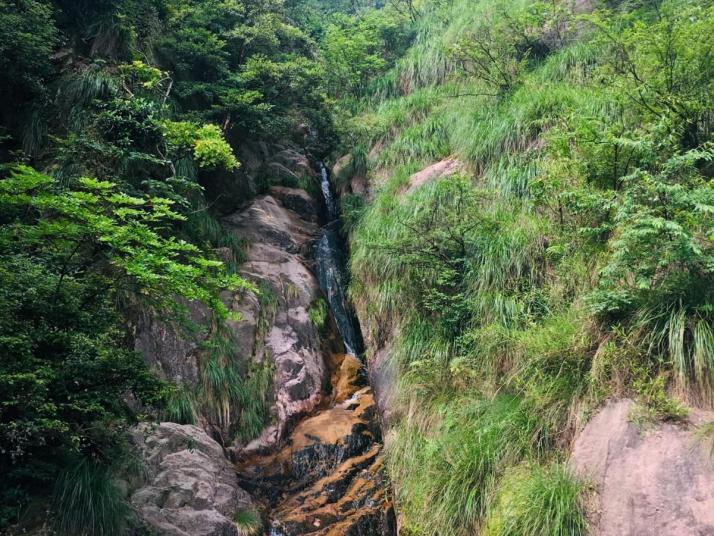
281,331
654,482
317,466
191,489
328,478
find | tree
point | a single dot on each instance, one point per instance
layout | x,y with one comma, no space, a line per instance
69,258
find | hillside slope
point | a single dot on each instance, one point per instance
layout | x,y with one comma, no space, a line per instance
528,196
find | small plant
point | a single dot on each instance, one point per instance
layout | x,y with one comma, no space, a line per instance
268,301
318,313
655,405
248,522
704,436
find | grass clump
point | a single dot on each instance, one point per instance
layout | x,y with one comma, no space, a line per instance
87,501
234,393
534,500
318,313
255,402
181,405
248,522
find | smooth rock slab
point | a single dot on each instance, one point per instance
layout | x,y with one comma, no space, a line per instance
657,482
191,489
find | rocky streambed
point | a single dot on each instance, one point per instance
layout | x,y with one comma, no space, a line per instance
327,479
316,467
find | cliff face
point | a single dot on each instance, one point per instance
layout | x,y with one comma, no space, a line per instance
316,466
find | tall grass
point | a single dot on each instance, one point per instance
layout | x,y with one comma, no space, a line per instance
181,406
450,464
538,501
487,407
203,227
234,393
87,502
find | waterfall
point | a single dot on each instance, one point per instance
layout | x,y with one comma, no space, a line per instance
327,194
330,268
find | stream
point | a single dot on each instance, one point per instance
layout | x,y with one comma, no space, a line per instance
327,476
331,271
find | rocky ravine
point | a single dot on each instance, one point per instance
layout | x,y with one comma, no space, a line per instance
316,467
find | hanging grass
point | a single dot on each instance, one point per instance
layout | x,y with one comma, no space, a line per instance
87,502
181,406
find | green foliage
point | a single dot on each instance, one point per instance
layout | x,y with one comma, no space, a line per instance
181,406
69,257
662,62
206,142
234,393
28,36
658,274
500,47
357,48
255,405
87,501
538,501
568,263
319,314
455,475
248,522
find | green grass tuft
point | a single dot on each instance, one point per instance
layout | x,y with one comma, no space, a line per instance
538,501
87,502
248,522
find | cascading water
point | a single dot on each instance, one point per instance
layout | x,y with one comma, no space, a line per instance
327,476
327,195
330,268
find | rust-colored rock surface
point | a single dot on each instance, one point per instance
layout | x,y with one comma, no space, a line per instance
327,479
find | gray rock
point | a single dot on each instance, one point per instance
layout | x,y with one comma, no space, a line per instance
658,482
297,200
291,342
168,350
191,489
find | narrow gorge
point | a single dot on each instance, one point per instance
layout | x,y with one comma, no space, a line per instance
317,468
357,267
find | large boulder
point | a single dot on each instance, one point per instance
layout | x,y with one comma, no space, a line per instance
190,488
167,348
652,482
276,325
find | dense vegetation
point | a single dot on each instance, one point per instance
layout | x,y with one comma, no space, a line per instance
121,127
568,260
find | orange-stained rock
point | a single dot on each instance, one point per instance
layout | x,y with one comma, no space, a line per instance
347,376
327,479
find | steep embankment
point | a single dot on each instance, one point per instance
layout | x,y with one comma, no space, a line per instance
529,196
313,465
